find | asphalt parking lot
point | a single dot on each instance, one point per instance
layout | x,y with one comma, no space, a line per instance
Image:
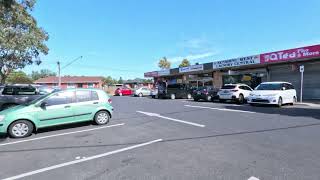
173,139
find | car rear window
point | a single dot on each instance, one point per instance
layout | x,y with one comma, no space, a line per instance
84,96
228,87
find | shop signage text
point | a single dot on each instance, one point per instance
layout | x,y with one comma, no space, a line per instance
164,72
291,54
237,62
151,74
191,68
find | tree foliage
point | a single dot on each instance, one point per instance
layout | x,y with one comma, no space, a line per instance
35,75
120,81
185,63
109,81
21,40
164,63
18,77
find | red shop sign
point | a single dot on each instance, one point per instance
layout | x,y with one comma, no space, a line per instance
291,54
151,74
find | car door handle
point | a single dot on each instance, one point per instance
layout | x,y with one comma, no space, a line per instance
67,106
96,103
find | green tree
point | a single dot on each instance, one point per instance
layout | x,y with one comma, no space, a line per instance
21,40
120,81
164,63
184,63
18,77
35,75
109,80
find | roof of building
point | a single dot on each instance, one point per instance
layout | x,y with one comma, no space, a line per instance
70,79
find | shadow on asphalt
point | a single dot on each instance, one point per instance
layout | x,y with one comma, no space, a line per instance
167,140
290,111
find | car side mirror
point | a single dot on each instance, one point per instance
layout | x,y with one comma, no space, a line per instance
43,105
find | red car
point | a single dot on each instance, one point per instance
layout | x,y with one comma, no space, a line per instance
123,92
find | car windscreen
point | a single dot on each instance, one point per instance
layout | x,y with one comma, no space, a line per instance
228,87
269,87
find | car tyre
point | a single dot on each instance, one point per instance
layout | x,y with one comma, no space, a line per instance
102,118
196,99
209,98
280,102
140,95
241,99
173,96
222,100
120,94
20,129
294,100
189,96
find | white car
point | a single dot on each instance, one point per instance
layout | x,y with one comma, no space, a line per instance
235,92
142,91
277,93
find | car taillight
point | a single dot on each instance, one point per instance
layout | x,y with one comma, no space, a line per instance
110,100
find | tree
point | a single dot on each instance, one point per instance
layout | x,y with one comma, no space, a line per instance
184,63
18,77
164,63
21,40
120,81
109,80
35,75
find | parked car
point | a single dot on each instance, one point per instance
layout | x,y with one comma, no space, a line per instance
277,93
207,93
142,91
123,91
234,92
13,95
61,107
175,91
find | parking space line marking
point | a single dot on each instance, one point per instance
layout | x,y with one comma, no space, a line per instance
253,178
171,119
62,134
220,109
81,160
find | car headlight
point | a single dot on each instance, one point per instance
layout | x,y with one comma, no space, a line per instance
2,117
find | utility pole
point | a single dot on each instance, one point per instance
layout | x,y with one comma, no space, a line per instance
59,74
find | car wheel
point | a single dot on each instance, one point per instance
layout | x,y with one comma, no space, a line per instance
279,102
189,96
209,98
294,100
102,117
140,95
195,99
241,99
20,129
222,100
173,96
120,94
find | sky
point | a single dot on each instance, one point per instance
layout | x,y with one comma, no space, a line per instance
127,38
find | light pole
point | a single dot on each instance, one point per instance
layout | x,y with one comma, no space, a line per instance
59,68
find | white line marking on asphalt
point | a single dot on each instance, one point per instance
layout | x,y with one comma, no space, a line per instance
171,119
62,134
253,178
81,160
220,109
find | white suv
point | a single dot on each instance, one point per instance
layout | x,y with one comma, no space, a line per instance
277,93
235,92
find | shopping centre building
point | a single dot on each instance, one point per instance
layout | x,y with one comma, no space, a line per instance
286,65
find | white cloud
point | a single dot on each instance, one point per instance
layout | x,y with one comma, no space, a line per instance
191,57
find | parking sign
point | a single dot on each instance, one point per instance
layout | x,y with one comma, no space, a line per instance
302,68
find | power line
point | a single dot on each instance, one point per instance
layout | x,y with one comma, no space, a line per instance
80,57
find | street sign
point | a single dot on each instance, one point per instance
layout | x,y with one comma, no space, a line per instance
302,68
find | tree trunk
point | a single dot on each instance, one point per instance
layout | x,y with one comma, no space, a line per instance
3,78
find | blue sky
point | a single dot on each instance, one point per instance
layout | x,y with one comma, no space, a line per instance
127,38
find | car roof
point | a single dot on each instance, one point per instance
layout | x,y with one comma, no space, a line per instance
238,84
276,82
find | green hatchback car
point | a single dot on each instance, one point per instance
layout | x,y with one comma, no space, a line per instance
61,107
